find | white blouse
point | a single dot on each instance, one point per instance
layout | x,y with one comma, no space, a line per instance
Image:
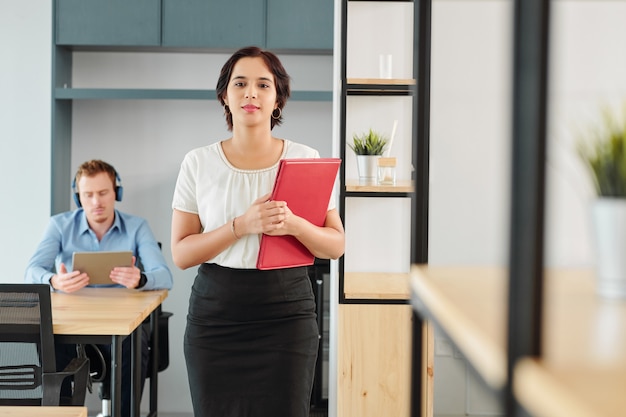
209,186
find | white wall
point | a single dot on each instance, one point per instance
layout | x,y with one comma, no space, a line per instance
25,29
469,131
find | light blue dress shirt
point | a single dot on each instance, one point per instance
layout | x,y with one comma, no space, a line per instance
69,232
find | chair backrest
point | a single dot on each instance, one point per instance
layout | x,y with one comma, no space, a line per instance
164,337
26,342
164,341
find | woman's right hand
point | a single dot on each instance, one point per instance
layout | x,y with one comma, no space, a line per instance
262,216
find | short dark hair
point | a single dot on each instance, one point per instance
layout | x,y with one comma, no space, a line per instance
281,79
93,167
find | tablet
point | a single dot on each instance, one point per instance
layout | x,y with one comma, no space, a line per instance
98,265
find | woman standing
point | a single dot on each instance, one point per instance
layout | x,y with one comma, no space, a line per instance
251,338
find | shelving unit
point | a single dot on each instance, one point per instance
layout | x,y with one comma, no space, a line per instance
371,87
371,297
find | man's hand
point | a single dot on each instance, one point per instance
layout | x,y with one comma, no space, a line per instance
128,276
69,281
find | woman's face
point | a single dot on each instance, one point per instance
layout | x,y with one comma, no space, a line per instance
251,92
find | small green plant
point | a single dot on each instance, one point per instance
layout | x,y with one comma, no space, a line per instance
604,153
369,143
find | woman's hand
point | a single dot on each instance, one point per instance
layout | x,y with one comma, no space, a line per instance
263,216
285,223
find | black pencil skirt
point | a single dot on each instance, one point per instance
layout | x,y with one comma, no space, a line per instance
251,342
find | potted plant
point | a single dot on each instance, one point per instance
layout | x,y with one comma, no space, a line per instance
368,147
604,153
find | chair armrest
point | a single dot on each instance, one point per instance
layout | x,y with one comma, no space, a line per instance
79,368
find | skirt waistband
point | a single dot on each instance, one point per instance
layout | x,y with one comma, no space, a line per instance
210,269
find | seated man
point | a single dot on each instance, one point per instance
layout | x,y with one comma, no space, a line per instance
97,226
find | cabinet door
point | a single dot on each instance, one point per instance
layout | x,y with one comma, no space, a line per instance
213,23
300,24
110,23
374,360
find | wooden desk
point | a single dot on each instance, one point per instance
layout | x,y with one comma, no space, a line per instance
22,411
106,315
582,370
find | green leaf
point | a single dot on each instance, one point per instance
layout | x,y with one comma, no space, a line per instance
605,155
369,143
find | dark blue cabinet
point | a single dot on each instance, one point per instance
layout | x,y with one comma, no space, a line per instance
300,24
213,24
108,22
294,25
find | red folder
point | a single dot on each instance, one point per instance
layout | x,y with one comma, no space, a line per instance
306,185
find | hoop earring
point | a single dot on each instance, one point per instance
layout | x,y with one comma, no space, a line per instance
226,109
280,113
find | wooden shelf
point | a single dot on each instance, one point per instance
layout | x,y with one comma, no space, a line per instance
165,94
45,411
380,86
583,361
376,285
381,81
582,369
548,391
353,186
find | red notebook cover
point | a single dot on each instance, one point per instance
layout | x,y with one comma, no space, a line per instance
306,185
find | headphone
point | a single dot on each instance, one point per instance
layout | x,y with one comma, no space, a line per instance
119,190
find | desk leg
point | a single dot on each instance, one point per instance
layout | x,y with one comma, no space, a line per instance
135,389
116,376
154,358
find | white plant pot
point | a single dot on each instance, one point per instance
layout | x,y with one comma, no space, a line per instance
368,168
609,223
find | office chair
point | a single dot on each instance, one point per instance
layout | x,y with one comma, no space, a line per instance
28,374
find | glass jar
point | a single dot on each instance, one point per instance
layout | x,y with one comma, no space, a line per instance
386,171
